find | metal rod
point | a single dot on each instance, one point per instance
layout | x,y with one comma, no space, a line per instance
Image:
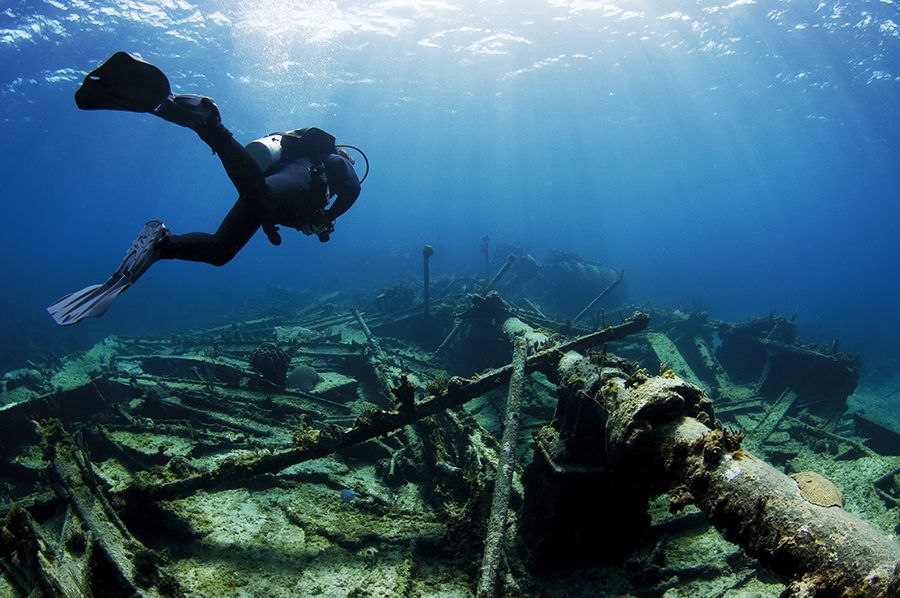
496,528
485,250
496,279
427,252
370,338
602,294
456,326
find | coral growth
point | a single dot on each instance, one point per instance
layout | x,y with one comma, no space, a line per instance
713,444
818,489
437,385
404,393
665,371
640,376
306,437
733,439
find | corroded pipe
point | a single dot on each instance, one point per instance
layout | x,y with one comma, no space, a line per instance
370,338
806,539
493,544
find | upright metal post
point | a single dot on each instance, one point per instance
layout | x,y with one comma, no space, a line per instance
427,252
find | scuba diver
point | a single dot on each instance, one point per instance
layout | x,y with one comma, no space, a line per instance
282,179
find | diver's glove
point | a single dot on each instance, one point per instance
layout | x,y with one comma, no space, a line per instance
272,233
322,230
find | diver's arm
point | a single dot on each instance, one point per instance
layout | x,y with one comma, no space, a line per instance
343,181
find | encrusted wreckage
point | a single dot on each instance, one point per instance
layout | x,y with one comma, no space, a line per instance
631,436
343,439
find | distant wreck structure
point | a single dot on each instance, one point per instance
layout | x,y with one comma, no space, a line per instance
519,431
766,355
540,282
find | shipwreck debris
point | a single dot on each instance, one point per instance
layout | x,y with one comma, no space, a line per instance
128,567
661,436
766,353
373,343
168,417
485,292
312,443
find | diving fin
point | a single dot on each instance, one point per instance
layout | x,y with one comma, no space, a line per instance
95,300
123,82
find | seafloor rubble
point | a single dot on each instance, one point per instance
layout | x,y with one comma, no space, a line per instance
366,445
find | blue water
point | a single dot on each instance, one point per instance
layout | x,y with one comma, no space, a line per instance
741,155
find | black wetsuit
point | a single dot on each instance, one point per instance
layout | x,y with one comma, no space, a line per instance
291,195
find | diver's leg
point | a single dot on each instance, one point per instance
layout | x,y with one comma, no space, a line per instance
217,249
95,300
202,115
244,172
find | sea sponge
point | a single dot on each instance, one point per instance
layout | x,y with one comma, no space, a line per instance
303,377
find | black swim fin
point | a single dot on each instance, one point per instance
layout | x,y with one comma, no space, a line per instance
94,300
123,82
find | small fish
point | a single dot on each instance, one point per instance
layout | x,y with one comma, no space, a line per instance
347,494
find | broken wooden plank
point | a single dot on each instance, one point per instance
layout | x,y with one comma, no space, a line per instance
133,570
813,431
732,409
668,353
202,415
774,416
33,562
711,362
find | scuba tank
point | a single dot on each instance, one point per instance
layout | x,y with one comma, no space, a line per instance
309,142
265,151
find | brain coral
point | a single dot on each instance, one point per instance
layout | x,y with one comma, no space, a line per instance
818,490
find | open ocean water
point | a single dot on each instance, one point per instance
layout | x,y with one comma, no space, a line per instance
742,156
